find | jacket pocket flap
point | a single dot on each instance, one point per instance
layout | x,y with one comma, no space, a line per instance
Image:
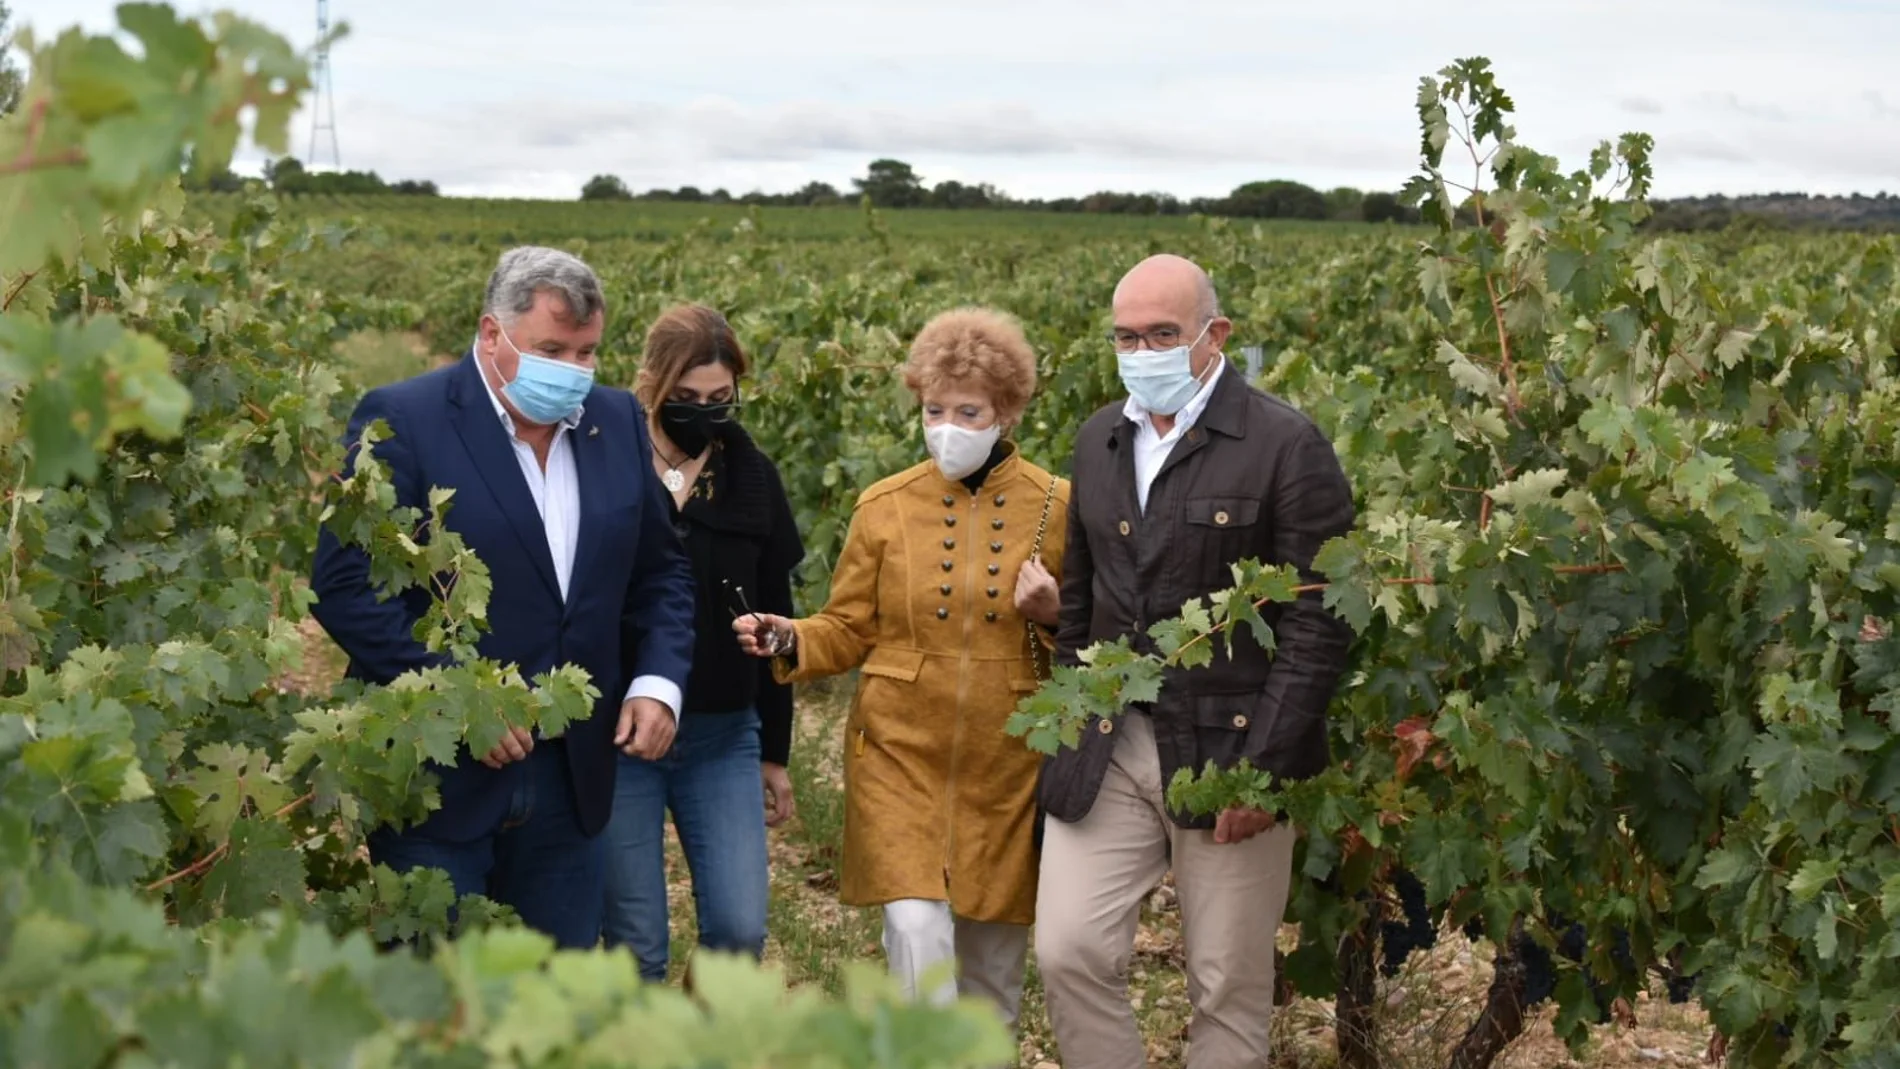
1223,511
1233,712
1024,684
899,664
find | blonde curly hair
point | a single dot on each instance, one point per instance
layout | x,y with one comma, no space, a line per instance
979,348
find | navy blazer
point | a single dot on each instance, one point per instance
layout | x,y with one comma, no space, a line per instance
630,571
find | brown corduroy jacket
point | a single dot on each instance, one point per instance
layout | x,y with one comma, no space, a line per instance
1253,478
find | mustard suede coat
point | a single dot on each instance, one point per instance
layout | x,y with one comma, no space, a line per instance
940,802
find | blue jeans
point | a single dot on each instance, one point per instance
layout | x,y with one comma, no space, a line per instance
710,782
537,861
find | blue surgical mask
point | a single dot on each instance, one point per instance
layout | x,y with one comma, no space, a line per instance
1163,382
546,391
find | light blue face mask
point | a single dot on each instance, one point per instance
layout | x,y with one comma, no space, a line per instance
1163,382
546,391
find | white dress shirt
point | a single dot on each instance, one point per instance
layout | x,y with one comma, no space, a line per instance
557,496
1151,447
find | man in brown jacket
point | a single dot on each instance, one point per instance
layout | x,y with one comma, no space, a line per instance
1197,470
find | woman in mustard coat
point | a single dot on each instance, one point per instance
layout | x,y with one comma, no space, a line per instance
945,598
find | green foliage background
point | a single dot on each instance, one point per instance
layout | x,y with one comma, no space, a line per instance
1625,577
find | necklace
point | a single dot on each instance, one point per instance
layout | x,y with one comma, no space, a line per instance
673,478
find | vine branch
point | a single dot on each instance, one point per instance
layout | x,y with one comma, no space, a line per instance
29,158
19,287
203,864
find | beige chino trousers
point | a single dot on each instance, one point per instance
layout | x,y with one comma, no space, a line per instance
1095,875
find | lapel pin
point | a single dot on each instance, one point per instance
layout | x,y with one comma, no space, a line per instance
594,431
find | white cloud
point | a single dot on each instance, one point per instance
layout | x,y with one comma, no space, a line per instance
1054,97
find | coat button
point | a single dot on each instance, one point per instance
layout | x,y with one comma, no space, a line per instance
1105,727
1124,528
949,564
997,523
949,521
1240,720
991,592
943,614
949,543
944,590
1220,518
989,617
995,569
996,547
948,501
999,501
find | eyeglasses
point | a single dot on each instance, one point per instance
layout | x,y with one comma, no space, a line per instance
737,605
1160,338
716,411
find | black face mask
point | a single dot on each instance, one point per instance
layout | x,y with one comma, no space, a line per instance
693,427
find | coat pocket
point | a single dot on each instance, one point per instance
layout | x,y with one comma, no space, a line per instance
1221,726
1222,513
1219,531
903,665
883,691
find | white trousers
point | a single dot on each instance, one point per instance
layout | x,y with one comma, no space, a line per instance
921,937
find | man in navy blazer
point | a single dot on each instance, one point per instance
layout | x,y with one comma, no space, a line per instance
555,492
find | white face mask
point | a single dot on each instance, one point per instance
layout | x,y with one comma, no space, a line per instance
959,452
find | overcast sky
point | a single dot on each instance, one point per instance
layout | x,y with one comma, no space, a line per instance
1052,98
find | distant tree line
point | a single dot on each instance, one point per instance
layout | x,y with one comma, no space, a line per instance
1858,211
895,184
288,175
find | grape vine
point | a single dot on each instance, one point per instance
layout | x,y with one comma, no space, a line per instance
182,880
1625,582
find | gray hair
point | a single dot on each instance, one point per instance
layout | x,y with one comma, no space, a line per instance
527,270
1210,301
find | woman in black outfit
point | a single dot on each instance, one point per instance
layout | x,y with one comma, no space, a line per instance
724,780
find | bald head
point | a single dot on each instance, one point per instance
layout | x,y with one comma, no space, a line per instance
1174,278
1167,293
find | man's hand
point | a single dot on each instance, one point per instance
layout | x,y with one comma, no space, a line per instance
1038,597
1239,825
779,806
764,635
514,746
646,729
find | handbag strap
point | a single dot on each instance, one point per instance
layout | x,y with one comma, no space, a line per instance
1042,528
1037,653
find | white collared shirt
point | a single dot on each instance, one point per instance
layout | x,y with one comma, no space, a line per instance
557,496
1151,447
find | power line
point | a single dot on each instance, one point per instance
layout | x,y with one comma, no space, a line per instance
323,93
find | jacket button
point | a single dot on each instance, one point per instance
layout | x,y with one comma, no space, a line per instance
1220,518
990,617
1240,720
996,547
949,564
1105,727
948,501
949,521
949,543
943,613
997,523
999,501
995,568
991,592
1124,528
945,589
